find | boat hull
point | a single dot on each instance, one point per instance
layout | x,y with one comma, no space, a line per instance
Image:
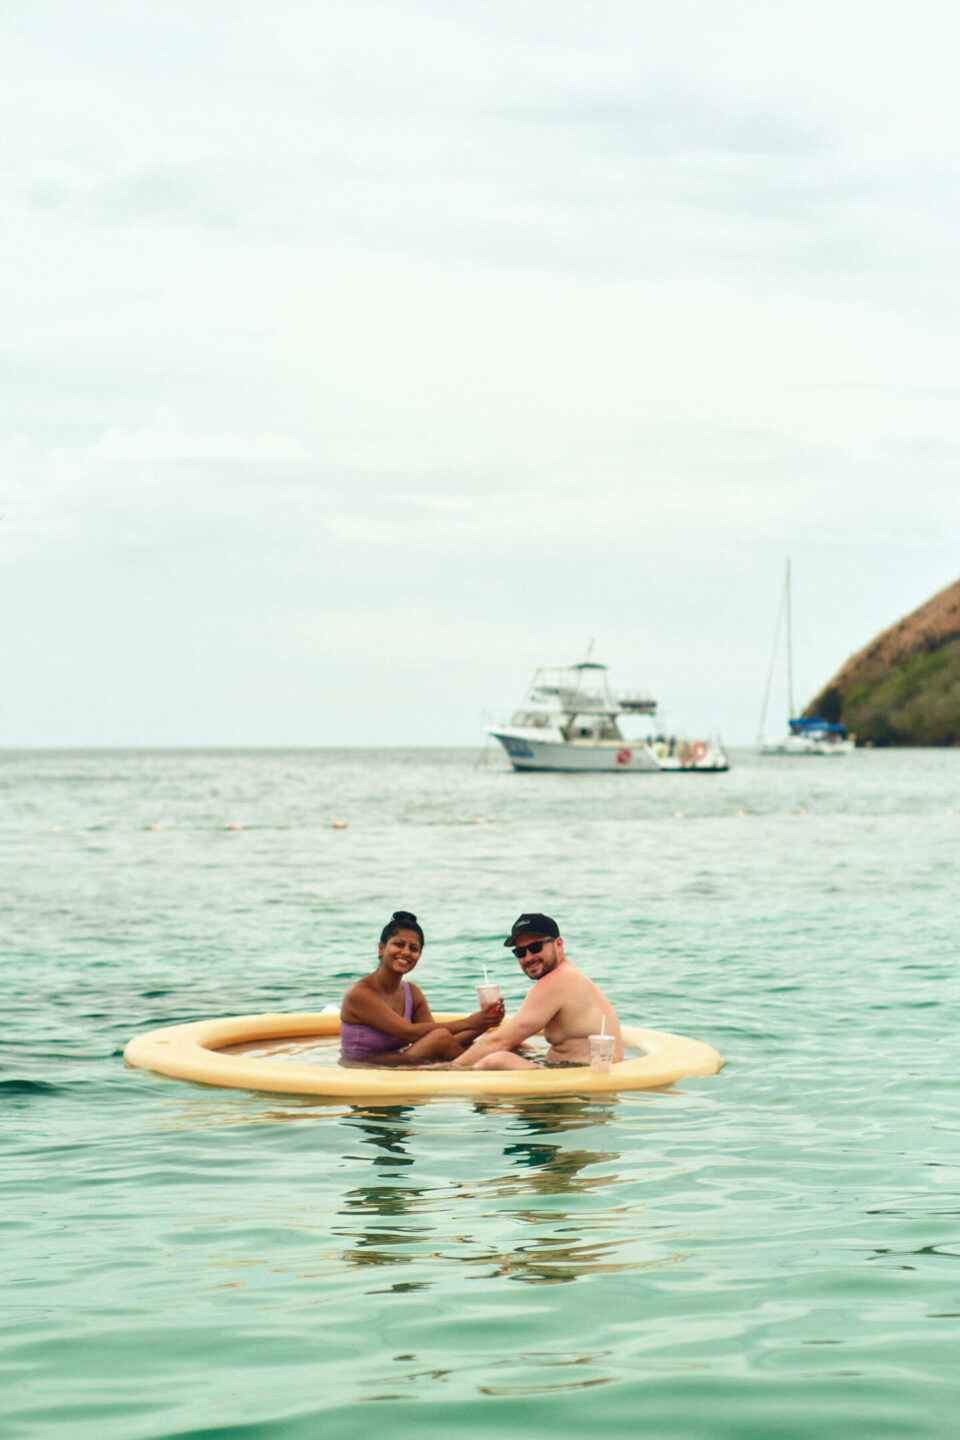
533,752
806,745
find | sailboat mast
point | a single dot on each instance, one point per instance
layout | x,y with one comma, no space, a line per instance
791,712
774,652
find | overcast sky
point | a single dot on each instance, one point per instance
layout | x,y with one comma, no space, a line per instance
357,357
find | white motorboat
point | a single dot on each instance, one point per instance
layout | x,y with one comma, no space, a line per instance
806,735
570,720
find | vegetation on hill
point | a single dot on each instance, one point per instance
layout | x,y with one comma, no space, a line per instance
904,687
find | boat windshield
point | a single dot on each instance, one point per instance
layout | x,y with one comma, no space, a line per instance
591,726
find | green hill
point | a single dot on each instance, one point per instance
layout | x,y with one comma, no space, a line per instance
904,687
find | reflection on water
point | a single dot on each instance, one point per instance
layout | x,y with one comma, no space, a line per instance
539,1165
548,1262
542,1166
386,1128
240,1107
550,1387
512,1164
296,1049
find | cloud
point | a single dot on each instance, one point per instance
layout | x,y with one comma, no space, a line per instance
339,335
166,440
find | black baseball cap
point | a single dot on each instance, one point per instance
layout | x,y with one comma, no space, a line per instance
533,925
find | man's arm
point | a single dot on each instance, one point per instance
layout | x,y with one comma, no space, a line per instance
537,1010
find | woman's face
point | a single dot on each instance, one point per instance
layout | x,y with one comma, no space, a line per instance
401,952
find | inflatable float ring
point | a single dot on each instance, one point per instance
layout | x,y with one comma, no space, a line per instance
196,1052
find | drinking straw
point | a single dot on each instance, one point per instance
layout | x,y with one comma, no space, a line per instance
486,977
602,1025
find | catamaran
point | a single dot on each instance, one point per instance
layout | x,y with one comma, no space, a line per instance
570,720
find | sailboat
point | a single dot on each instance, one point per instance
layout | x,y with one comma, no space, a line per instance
806,735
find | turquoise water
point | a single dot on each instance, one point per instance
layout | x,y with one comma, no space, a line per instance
772,1252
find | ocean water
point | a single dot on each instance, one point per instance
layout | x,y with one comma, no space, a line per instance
770,1252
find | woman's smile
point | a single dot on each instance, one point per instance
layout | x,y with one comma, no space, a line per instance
402,951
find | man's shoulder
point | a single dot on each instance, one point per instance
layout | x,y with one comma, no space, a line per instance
565,977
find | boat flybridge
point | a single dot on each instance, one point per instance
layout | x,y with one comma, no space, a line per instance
570,720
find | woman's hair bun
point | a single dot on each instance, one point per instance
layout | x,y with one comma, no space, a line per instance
401,920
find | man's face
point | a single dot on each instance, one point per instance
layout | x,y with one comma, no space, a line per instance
548,956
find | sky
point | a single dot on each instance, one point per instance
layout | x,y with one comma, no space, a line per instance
358,357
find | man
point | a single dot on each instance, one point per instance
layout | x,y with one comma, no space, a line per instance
566,1005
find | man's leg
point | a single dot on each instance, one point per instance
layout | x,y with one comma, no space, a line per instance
505,1060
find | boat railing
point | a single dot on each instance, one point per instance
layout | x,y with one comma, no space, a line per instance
637,704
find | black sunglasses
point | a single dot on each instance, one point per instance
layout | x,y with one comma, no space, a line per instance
534,947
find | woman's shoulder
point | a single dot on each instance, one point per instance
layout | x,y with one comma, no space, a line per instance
363,983
358,990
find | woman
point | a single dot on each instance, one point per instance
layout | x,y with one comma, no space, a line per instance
384,1019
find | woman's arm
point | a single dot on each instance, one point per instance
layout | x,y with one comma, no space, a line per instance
479,1021
363,1006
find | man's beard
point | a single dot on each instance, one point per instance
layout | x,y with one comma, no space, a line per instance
547,966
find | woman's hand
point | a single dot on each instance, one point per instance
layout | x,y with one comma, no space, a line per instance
489,1017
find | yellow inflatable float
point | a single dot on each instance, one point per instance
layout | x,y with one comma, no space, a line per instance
218,1052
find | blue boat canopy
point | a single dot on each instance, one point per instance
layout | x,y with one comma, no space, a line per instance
804,725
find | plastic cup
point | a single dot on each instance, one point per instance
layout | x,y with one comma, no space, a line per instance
488,995
601,1052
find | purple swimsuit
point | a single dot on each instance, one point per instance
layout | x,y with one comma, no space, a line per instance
366,1042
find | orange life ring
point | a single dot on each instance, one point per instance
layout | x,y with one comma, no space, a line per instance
699,752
